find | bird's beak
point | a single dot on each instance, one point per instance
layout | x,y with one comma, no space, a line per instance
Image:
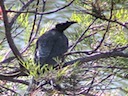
72,22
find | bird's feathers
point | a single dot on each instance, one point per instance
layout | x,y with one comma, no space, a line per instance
52,44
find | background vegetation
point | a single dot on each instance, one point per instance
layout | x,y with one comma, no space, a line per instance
96,63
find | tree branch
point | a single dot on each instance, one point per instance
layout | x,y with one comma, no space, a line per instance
104,18
23,8
8,34
9,78
107,30
42,13
97,56
82,35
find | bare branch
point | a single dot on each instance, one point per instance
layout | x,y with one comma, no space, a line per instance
107,29
9,78
23,8
9,90
34,22
79,39
98,56
8,34
42,13
103,18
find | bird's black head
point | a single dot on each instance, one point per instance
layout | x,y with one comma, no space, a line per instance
63,26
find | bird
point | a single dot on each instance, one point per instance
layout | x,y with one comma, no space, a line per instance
52,44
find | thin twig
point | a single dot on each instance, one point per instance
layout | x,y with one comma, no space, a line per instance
42,13
10,90
104,18
107,29
23,8
10,78
34,22
79,39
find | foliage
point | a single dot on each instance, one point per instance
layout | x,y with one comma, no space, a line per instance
97,56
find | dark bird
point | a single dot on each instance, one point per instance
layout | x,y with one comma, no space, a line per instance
52,44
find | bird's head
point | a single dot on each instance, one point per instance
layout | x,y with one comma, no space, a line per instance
63,26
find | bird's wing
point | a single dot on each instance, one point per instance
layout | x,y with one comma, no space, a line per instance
44,48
